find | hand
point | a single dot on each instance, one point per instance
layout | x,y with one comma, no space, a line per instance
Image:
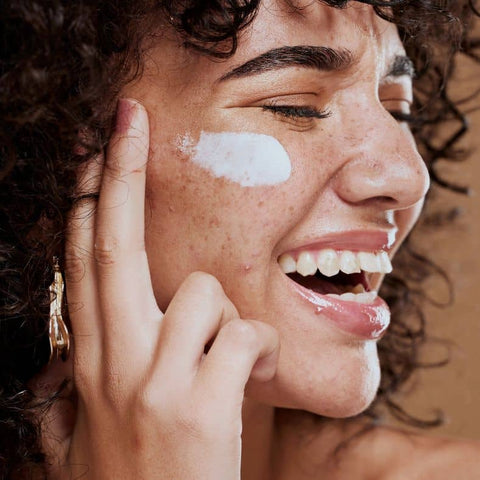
151,403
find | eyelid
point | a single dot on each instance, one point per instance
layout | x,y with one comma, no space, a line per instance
297,111
408,118
404,101
397,99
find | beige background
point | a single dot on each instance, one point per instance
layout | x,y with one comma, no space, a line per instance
455,389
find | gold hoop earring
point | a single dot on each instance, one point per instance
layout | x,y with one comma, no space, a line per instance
57,330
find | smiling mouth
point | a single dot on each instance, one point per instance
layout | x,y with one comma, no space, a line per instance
342,274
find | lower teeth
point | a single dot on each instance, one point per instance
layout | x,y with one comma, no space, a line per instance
366,297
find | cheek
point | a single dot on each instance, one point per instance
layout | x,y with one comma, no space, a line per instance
229,181
203,217
230,187
247,159
228,175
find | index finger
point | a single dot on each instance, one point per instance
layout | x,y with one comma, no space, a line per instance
125,292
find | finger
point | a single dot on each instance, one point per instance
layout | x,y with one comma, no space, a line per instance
126,296
194,316
81,285
121,205
243,350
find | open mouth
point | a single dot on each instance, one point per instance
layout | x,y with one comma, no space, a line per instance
344,274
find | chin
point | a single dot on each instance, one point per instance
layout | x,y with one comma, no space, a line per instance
351,398
345,388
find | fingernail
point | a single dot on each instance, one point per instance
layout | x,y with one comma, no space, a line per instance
125,113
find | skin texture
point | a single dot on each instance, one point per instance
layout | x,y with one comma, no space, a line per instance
133,373
142,318
341,165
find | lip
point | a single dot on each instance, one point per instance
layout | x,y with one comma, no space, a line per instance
366,321
354,240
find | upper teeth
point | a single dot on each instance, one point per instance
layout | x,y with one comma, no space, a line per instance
330,262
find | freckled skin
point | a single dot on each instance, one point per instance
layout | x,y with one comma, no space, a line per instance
345,176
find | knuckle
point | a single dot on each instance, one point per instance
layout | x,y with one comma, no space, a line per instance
242,333
207,282
75,267
106,249
151,403
113,165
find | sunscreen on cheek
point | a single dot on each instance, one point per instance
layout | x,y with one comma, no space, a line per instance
249,159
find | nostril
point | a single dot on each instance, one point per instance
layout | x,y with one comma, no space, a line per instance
387,203
395,181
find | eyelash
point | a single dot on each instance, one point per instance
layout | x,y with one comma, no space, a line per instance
408,118
293,111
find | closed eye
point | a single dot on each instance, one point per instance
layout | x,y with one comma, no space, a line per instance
294,111
400,110
409,118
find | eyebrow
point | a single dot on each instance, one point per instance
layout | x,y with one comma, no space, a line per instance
319,58
402,65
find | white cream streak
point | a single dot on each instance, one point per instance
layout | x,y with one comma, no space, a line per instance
249,159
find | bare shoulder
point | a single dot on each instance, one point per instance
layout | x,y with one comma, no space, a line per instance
415,456
355,449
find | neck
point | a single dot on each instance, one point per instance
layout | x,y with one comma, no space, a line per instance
257,440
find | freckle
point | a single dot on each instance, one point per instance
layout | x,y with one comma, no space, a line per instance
199,220
214,222
261,203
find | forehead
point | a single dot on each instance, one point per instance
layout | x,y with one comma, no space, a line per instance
356,28
355,23
372,41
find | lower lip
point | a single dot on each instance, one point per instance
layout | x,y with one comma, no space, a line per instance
368,321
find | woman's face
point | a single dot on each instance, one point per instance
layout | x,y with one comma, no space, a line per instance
283,152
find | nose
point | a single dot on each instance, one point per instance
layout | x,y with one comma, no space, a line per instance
382,164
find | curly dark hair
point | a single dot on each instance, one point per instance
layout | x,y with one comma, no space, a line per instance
62,65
